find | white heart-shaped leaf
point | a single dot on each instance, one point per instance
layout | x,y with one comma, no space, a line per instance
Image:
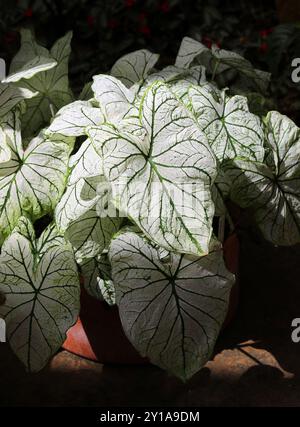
30,69
11,96
84,164
188,51
34,179
172,311
29,50
91,232
134,67
162,181
52,85
72,119
231,129
273,194
81,213
218,60
194,76
40,282
114,98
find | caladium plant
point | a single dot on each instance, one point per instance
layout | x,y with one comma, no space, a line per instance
122,187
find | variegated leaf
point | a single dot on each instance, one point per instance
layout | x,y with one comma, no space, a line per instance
162,181
11,96
52,85
72,119
231,129
97,278
33,180
188,51
273,193
40,283
81,212
30,69
114,98
172,310
134,67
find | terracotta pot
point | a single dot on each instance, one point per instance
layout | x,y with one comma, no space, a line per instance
98,333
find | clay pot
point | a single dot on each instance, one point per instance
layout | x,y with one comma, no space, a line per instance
98,333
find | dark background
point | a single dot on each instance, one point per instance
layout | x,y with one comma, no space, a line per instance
256,362
104,30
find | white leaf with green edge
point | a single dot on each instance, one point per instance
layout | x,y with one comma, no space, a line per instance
196,77
85,164
34,180
10,143
171,311
273,194
29,50
179,79
114,98
118,103
163,181
52,85
72,119
134,67
81,212
167,75
91,232
41,287
188,51
231,129
97,279
11,96
30,69
219,60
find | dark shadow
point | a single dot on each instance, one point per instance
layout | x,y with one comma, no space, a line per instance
269,301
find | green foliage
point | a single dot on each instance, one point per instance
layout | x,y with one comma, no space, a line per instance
132,176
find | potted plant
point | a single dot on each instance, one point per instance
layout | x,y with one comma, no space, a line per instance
127,188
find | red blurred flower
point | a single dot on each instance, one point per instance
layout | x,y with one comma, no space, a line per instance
164,6
129,3
263,48
90,19
112,23
265,32
144,29
28,12
207,41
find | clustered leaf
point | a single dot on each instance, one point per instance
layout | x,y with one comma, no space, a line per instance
172,311
32,180
44,72
131,176
40,281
